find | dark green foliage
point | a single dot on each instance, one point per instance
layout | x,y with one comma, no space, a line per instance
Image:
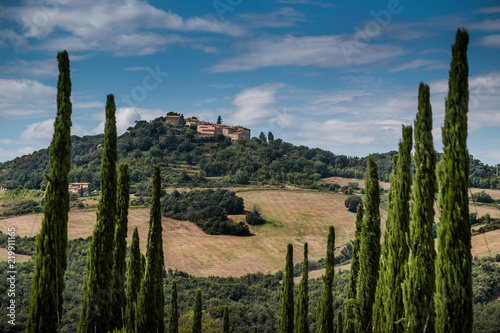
135,274
225,321
97,289
324,314
482,197
173,326
46,303
369,250
302,311
23,208
286,298
350,306
270,136
219,120
340,324
352,202
454,260
395,253
262,138
151,301
418,289
253,216
197,313
208,209
119,267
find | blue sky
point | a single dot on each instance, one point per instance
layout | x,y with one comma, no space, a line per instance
339,75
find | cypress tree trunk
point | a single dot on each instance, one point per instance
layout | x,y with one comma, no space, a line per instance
350,305
197,313
454,260
134,279
324,316
46,299
369,256
302,311
119,267
389,315
418,289
173,326
97,287
286,300
225,321
151,302
340,325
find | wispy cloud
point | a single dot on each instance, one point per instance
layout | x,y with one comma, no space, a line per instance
25,99
126,23
491,41
489,10
324,4
316,51
278,18
418,64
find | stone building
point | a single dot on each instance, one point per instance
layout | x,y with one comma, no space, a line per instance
80,188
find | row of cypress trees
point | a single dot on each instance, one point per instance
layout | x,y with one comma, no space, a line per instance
414,291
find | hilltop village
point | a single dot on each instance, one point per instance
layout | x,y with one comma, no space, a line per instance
207,129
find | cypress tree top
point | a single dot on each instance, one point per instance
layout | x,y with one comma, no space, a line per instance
286,322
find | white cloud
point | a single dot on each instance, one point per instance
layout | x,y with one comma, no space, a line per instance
278,18
417,63
489,10
27,69
317,51
38,131
319,3
25,98
254,104
485,25
126,117
126,23
492,41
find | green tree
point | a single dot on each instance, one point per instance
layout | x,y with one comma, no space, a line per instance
350,306
219,120
395,240
302,311
286,299
324,315
46,301
173,326
454,260
134,279
197,313
270,136
225,321
369,250
151,301
262,138
418,288
352,202
120,252
97,287
340,324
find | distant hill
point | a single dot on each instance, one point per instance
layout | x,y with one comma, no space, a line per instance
187,159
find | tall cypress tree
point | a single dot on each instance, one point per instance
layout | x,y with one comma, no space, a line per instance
134,279
454,260
350,305
418,289
151,302
225,320
395,240
173,326
97,287
286,299
120,252
302,311
324,316
46,299
340,324
369,250
198,314
380,324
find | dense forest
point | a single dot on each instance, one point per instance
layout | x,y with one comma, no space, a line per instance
186,159
253,299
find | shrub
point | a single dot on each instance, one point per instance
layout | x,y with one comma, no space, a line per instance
482,197
253,217
352,203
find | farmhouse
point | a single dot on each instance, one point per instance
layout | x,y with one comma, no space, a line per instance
80,188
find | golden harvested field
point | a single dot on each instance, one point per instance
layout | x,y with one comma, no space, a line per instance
296,217
19,257
345,181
